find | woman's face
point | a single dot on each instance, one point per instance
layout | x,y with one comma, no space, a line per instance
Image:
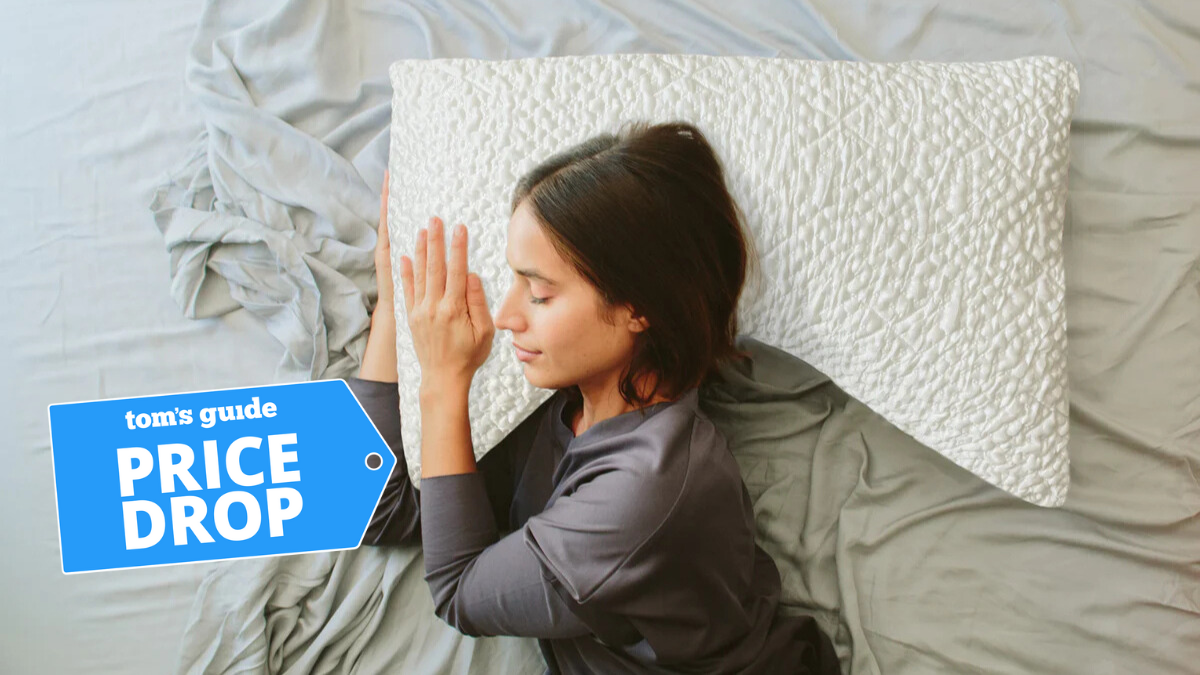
554,313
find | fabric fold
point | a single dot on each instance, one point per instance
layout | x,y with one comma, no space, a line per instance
274,209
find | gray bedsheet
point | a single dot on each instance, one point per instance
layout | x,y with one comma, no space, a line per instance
264,174
357,610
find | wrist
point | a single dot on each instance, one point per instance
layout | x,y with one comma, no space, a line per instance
443,388
384,315
379,356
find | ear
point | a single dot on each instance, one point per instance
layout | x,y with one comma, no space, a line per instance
637,323
625,315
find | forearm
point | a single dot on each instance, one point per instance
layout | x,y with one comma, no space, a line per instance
396,519
483,584
445,427
379,358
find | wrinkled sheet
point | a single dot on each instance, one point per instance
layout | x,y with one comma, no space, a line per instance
914,566
330,613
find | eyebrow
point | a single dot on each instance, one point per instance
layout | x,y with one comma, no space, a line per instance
534,274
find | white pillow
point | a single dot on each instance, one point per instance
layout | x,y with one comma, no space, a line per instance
909,218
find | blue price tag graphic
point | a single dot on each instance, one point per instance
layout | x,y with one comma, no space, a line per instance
214,475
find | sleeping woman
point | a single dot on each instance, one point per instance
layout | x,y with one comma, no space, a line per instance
612,524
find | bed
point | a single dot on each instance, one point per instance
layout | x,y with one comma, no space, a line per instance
112,112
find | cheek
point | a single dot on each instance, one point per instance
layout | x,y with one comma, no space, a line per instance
560,328
554,327
585,336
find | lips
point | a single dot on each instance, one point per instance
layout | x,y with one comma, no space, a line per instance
524,354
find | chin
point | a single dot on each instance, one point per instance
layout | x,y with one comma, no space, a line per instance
540,380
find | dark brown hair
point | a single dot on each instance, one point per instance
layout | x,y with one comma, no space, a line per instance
644,215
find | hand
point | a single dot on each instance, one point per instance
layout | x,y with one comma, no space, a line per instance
383,258
379,357
447,310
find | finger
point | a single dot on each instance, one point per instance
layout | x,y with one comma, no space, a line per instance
435,265
383,199
406,280
477,306
419,267
456,271
383,243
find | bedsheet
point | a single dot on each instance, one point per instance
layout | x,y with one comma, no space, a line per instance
93,113
911,564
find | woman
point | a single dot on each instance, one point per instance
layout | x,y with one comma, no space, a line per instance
613,524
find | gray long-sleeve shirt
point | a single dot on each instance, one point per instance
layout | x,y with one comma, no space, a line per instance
627,549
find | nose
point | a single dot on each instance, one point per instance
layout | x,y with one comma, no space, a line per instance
508,316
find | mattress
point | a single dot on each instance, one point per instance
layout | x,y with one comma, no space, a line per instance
912,565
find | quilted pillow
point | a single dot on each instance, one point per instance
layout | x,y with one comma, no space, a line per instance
908,217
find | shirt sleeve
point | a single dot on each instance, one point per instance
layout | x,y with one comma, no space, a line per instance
396,519
484,584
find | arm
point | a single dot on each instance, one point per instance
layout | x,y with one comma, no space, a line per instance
445,427
480,585
396,519
483,584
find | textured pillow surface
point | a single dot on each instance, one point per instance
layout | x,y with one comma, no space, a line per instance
908,217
